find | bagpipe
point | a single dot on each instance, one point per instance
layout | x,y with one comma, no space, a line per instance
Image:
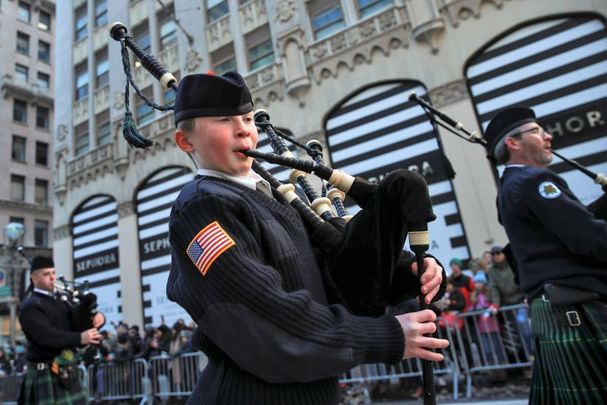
597,207
361,256
81,301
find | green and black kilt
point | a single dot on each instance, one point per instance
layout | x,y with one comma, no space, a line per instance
570,364
41,387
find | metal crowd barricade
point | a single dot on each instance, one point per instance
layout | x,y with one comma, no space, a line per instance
10,386
410,368
123,380
485,342
176,376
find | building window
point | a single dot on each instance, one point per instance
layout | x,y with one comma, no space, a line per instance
102,67
23,43
326,18
44,21
223,60
104,133
142,37
259,48
100,12
44,51
82,81
44,80
145,113
168,33
169,96
20,111
17,187
217,9
18,150
42,117
81,23
261,55
24,12
82,143
368,7
17,220
42,153
226,66
21,73
41,192
40,232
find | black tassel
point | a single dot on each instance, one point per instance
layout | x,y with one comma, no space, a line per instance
132,135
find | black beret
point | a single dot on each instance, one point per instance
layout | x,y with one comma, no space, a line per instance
504,122
205,95
42,262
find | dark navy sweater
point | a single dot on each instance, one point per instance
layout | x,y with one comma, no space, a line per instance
554,238
263,317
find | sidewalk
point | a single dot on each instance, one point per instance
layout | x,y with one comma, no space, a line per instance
463,401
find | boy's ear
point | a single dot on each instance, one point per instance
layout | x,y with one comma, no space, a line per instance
182,141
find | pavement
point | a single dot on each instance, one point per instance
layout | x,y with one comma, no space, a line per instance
463,401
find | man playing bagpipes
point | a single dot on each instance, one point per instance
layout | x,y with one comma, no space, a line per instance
559,249
53,336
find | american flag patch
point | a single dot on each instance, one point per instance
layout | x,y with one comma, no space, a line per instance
208,245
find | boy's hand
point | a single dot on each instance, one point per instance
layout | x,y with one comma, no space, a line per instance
415,325
431,279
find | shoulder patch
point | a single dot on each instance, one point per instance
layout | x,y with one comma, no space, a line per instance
208,245
549,190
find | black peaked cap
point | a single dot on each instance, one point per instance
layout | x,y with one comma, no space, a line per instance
504,122
207,95
42,262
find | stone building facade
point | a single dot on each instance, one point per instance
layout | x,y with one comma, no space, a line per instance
26,88
339,71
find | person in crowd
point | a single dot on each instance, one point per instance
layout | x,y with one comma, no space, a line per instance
477,264
558,247
461,281
5,364
46,320
503,290
487,258
487,324
244,269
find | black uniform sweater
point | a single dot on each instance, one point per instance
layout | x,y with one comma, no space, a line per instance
554,238
261,309
46,323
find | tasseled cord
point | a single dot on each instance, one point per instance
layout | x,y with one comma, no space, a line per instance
129,127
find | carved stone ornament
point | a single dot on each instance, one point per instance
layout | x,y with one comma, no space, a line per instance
125,209
192,60
449,93
119,100
61,232
285,10
61,132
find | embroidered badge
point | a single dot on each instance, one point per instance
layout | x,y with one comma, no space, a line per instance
549,190
208,245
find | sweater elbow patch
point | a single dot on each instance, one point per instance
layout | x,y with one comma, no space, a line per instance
269,352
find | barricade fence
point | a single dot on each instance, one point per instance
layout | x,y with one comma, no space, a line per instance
481,342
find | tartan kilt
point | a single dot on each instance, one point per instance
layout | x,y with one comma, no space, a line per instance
41,387
569,366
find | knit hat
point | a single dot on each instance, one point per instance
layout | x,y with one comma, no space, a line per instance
496,250
42,262
457,261
504,122
480,277
207,95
